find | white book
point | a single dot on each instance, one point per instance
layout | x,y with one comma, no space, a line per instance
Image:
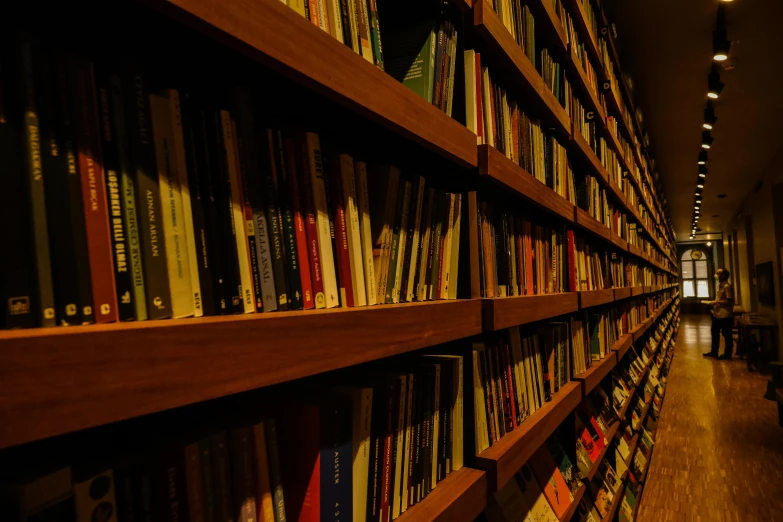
171,209
443,291
184,189
363,201
425,245
325,253
489,136
360,435
471,114
237,216
353,230
408,293
335,20
402,242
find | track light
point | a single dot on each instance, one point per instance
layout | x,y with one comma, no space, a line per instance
709,117
720,44
706,140
703,170
702,158
714,85
700,185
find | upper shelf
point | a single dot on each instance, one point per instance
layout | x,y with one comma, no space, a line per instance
263,30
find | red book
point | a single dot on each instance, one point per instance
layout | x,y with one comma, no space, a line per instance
551,480
295,171
341,233
96,216
479,102
571,262
386,478
308,209
301,463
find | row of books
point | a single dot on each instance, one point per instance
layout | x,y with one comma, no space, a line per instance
520,23
498,120
359,453
510,255
148,205
554,76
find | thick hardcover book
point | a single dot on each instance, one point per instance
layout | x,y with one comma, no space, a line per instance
244,280
17,278
336,459
145,180
276,241
325,254
228,274
311,228
66,266
33,154
93,191
196,164
286,161
119,233
128,195
300,227
412,240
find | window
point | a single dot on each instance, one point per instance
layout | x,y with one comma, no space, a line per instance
695,274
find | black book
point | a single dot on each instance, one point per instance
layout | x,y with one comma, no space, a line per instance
68,267
225,240
114,197
409,246
285,160
27,54
17,278
274,225
145,179
200,203
377,433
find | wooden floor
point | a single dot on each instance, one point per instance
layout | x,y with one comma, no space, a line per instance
719,450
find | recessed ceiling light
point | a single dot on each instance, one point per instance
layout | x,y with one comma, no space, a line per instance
714,85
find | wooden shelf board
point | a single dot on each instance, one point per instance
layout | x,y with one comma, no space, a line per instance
622,293
506,456
637,290
258,29
635,250
499,168
641,329
622,345
589,157
584,85
574,504
586,32
618,498
608,437
617,241
589,223
596,373
504,312
618,194
460,497
64,379
553,22
514,60
589,298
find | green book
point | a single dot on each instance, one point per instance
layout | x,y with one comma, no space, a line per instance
411,57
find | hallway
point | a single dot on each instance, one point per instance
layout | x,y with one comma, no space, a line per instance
719,451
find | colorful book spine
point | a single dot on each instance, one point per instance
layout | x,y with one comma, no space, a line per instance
270,166
300,226
365,231
353,229
287,162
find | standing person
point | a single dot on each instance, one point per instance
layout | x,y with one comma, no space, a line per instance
722,315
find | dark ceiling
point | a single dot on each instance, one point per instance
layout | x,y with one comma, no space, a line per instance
666,47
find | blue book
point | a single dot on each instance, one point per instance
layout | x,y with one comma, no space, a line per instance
336,459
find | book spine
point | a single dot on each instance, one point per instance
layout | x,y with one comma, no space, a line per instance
353,232
391,280
111,167
194,483
197,177
341,235
375,33
336,466
244,478
221,469
287,222
185,212
129,216
207,479
273,221
264,500
273,453
363,202
94,195
363,22
325,253
145,179
245,284
170,208
311,228
300,227
402,242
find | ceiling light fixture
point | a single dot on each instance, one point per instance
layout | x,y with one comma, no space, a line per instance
709,117
706,139
720,43
700,185
714,85
702,158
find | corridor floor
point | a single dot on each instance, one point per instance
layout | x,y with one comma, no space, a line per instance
718,453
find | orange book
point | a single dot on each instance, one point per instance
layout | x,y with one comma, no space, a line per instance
551,481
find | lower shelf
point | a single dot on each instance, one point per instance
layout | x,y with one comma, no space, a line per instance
460,497
59,380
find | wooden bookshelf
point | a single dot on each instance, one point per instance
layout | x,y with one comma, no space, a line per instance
515,62
589,157
505,312
496,166
622,345
552,23
622,293
635,250
590,298
637,290
608,436
589,223
574,504
60,380
584,86
617,241
460,497
506,456
261,30
596,373
585,32
618,193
